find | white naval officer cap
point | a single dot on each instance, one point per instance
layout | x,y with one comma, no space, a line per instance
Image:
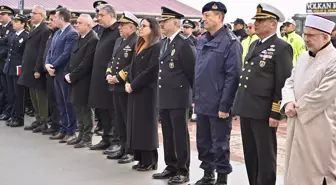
267,11
320,23
128,17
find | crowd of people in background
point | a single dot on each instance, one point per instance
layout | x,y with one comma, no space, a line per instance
130,74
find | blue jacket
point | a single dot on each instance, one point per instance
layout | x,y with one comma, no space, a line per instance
217,72
60,49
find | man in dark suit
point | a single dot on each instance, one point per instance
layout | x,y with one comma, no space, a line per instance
33,75
177,61
100,97
6,28
117,70
78,75
266,67
52,104
57,58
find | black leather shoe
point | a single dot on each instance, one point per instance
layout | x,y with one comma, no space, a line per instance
127,158
179,179
102,145
134,167
147,167
67,138
74,141
207,179
83,144
32,126
166,174
115,155
17,123
49,131
10,121
221,179
40,128
112,149
4,117
58,136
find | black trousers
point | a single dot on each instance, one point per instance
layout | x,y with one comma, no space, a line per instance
146,157
54,114
16,97
120,107
84,122
107,119
260,151
176,142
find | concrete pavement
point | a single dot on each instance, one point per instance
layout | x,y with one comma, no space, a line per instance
32,159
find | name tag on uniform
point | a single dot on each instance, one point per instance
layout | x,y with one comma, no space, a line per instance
21,40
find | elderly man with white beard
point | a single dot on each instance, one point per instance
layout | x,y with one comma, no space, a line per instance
309,102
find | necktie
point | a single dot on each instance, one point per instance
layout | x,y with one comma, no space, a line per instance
166,45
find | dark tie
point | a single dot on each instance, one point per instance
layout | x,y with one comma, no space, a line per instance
166,45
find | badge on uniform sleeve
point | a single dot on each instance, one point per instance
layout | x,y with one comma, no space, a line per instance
125,54
262,63
171,65
7,32
21,40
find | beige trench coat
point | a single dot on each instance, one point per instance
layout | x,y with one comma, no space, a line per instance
311,135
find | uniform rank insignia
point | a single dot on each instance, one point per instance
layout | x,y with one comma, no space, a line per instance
7,32
262,63
21,40
171,65
172,52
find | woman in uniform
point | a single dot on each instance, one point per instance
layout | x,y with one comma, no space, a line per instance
16,44
141,86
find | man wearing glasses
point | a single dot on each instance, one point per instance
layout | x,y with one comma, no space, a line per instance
250,38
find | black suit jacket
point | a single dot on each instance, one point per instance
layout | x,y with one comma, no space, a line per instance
123,53
14,53
80,68
266,68
32,60
4,32
176,73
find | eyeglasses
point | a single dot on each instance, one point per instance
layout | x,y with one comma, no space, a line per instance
143,26
34,13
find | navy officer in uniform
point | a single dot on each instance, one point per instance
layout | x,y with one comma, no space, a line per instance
217,71
176,74
266,67
188,27
6,28
116,74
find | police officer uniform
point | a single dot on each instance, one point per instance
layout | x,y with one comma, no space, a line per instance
122,56
16,42
217,71
73,18
176,74
266,67
5,108
190,24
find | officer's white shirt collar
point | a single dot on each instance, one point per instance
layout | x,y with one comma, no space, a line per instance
18,33
264,40
173,36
